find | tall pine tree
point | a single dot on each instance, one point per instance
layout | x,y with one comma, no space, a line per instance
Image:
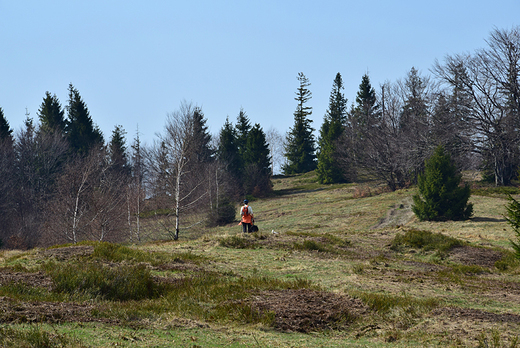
328,169
51,114
81,131
5,131
257,162
300,145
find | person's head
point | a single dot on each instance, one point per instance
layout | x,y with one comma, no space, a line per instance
246,202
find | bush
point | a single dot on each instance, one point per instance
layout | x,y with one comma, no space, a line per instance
442,197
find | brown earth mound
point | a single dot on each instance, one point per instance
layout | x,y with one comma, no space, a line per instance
307,310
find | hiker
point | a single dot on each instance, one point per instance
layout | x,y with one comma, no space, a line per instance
247,217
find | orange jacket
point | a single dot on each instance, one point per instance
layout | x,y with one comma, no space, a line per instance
246,218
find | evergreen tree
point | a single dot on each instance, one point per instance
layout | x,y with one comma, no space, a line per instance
80,130
201,142
300,145
51,114
366,114
5,130
243,127
328,169
257,162
118,152
442,198
228,153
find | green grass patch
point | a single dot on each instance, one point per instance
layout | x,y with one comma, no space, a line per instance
493,191
425,240
383,303
35,336
237,242
95,280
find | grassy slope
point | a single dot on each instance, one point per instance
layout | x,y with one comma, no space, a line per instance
360,264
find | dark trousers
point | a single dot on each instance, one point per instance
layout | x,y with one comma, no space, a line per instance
246,227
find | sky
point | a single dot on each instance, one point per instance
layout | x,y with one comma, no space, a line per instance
135,62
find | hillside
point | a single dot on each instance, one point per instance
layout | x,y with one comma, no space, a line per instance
332,266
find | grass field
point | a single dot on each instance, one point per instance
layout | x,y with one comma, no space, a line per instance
332,266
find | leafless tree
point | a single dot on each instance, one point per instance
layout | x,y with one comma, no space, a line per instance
491,76
180,181
275,140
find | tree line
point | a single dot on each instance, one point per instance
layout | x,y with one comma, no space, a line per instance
63,183
470,106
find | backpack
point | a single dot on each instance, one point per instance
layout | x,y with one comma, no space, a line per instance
245,210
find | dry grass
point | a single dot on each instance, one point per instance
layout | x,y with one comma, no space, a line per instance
399,282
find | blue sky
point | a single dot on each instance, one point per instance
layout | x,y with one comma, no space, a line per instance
133,62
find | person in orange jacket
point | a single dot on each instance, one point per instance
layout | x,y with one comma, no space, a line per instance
246,213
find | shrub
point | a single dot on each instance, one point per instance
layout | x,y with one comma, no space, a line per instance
442,197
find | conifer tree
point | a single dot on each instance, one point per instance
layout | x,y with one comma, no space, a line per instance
300,145
80,130
257,162
328,169
228,153
117,151
5,130
440,196
242,127
51,114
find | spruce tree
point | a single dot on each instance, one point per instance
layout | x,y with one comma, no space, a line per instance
51,114
81,131
227,151
242,129
440,197
5,130
118,152
257,163
300,144
328,169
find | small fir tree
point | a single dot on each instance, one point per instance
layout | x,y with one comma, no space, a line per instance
441,198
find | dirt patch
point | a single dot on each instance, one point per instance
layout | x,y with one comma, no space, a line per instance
399,215
38,279
458,314
67,253
307,310
468,255
12,311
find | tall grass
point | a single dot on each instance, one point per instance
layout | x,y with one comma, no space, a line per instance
95,280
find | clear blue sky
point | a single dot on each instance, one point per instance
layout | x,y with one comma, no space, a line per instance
135,61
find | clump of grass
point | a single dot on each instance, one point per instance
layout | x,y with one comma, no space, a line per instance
495,341
121,283
508,261
35,336
237,242
426,241
384,303
311,245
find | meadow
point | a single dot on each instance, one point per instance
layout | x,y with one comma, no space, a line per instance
332,266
